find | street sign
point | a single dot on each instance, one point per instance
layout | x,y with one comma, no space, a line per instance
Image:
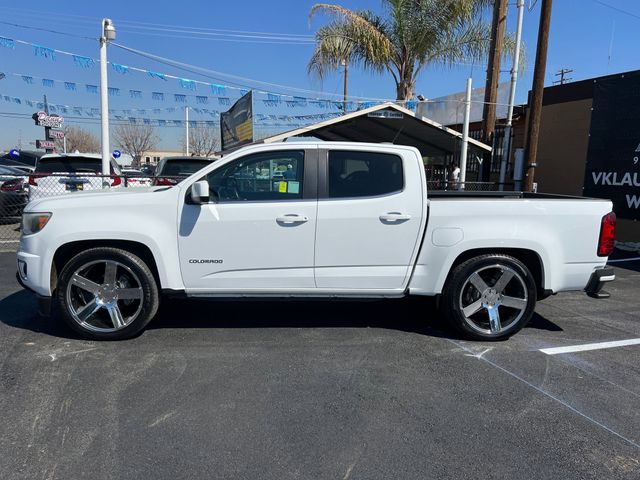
14,153
45,144
116,154
56,134
43,119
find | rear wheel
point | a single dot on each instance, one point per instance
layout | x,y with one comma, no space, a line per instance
107,294
490,297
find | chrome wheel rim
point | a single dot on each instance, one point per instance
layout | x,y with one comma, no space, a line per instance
104,296
493,299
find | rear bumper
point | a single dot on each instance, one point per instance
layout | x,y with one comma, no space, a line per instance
44,303
597,281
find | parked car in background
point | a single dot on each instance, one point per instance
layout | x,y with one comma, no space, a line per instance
25,158
135,178
13,194
61,174
148,169
172,170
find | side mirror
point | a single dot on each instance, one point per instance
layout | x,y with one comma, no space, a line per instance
200,192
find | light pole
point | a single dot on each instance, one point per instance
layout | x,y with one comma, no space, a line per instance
186,130
108,34
506,153
465,135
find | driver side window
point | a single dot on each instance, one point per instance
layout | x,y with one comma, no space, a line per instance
259,177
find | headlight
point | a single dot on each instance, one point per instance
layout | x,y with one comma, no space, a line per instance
34,222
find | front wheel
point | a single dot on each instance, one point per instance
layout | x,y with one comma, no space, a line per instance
490,297
107,294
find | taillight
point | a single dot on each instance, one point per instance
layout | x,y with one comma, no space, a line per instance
607,240
115,180
164,181
12,185
32,181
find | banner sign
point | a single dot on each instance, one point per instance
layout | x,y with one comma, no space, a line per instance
45,144
613,161
236,124
56,134
43,119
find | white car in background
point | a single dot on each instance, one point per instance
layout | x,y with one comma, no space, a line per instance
60,174
136,178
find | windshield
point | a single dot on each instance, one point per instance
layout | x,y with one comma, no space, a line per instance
69,164
183,167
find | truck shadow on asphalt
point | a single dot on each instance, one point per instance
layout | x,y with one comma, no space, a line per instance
411,315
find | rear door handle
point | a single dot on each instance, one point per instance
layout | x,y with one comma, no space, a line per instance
395,217
292,218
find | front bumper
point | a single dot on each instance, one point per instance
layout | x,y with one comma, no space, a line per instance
44,302
597,281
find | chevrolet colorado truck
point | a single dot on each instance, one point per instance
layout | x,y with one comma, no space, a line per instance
311,219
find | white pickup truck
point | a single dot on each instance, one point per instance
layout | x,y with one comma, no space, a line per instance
311,220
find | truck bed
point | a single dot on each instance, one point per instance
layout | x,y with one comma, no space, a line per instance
463,194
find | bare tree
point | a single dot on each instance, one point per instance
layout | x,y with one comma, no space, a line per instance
78,139
203,141
135,140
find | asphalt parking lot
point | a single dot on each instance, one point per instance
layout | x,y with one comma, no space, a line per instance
330,390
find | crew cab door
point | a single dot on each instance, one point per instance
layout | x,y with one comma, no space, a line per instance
370,218
256,235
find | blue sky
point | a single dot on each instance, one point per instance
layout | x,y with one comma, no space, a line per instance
586,36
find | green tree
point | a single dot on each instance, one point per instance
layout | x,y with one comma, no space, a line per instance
412,35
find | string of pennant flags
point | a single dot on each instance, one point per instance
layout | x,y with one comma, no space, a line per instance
195,91
129,114
219,97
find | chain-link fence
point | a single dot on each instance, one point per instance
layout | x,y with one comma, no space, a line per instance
16,191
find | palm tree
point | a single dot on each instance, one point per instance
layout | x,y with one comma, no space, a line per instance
414,34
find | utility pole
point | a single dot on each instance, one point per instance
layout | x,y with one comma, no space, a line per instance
563,76
498,26
186,130
533,133
506,154
107,34
345,95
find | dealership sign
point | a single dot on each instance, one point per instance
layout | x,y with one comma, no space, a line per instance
43,119
613,161
56,134
45,144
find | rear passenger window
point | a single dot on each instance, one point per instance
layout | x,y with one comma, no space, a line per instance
364,174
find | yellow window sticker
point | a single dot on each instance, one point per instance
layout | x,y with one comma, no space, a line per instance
282,188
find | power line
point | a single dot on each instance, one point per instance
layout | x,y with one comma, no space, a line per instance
164,27
48,30
223,38
617,9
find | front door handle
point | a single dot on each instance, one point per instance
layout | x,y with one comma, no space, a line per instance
292,218
395,217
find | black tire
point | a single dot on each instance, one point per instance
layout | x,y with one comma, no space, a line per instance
133,270
461,294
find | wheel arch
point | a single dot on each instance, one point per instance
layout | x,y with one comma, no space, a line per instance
530,258
67,251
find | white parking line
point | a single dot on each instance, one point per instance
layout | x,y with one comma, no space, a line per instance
590,346
624,260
